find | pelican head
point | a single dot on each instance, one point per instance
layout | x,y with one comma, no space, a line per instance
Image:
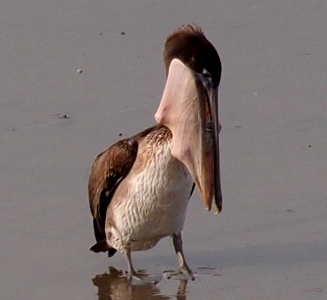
189,108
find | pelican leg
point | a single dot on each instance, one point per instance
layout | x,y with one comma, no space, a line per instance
130,267
183,267
132,274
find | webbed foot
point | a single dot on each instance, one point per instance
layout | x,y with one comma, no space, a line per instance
180,274
140,278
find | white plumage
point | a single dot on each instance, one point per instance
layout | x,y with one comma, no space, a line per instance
155,203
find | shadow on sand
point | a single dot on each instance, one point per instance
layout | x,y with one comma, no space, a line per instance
113,286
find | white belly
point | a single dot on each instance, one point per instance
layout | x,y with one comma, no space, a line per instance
154,205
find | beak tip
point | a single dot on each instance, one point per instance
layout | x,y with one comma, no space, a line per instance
219,208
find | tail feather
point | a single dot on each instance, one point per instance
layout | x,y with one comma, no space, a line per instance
102,246
111,252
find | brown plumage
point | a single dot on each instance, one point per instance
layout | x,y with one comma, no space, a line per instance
189,44
108,170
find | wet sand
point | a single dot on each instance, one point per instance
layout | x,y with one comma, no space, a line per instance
270,240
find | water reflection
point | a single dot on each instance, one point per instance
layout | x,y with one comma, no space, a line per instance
113,286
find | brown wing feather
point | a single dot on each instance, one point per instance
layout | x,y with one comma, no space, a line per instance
109,168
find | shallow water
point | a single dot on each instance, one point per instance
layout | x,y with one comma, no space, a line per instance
270,240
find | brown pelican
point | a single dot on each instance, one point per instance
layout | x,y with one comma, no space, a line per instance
139,188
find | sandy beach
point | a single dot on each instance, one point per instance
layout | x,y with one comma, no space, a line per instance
79,75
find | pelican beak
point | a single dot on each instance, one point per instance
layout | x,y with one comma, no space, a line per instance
189,108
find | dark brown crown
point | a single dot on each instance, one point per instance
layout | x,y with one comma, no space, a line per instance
189,45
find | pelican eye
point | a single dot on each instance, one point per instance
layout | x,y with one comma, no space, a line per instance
206,74
207,78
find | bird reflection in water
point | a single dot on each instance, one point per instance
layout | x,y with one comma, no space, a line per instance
114,286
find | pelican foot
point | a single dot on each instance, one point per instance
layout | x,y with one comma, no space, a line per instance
137,278
180,274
